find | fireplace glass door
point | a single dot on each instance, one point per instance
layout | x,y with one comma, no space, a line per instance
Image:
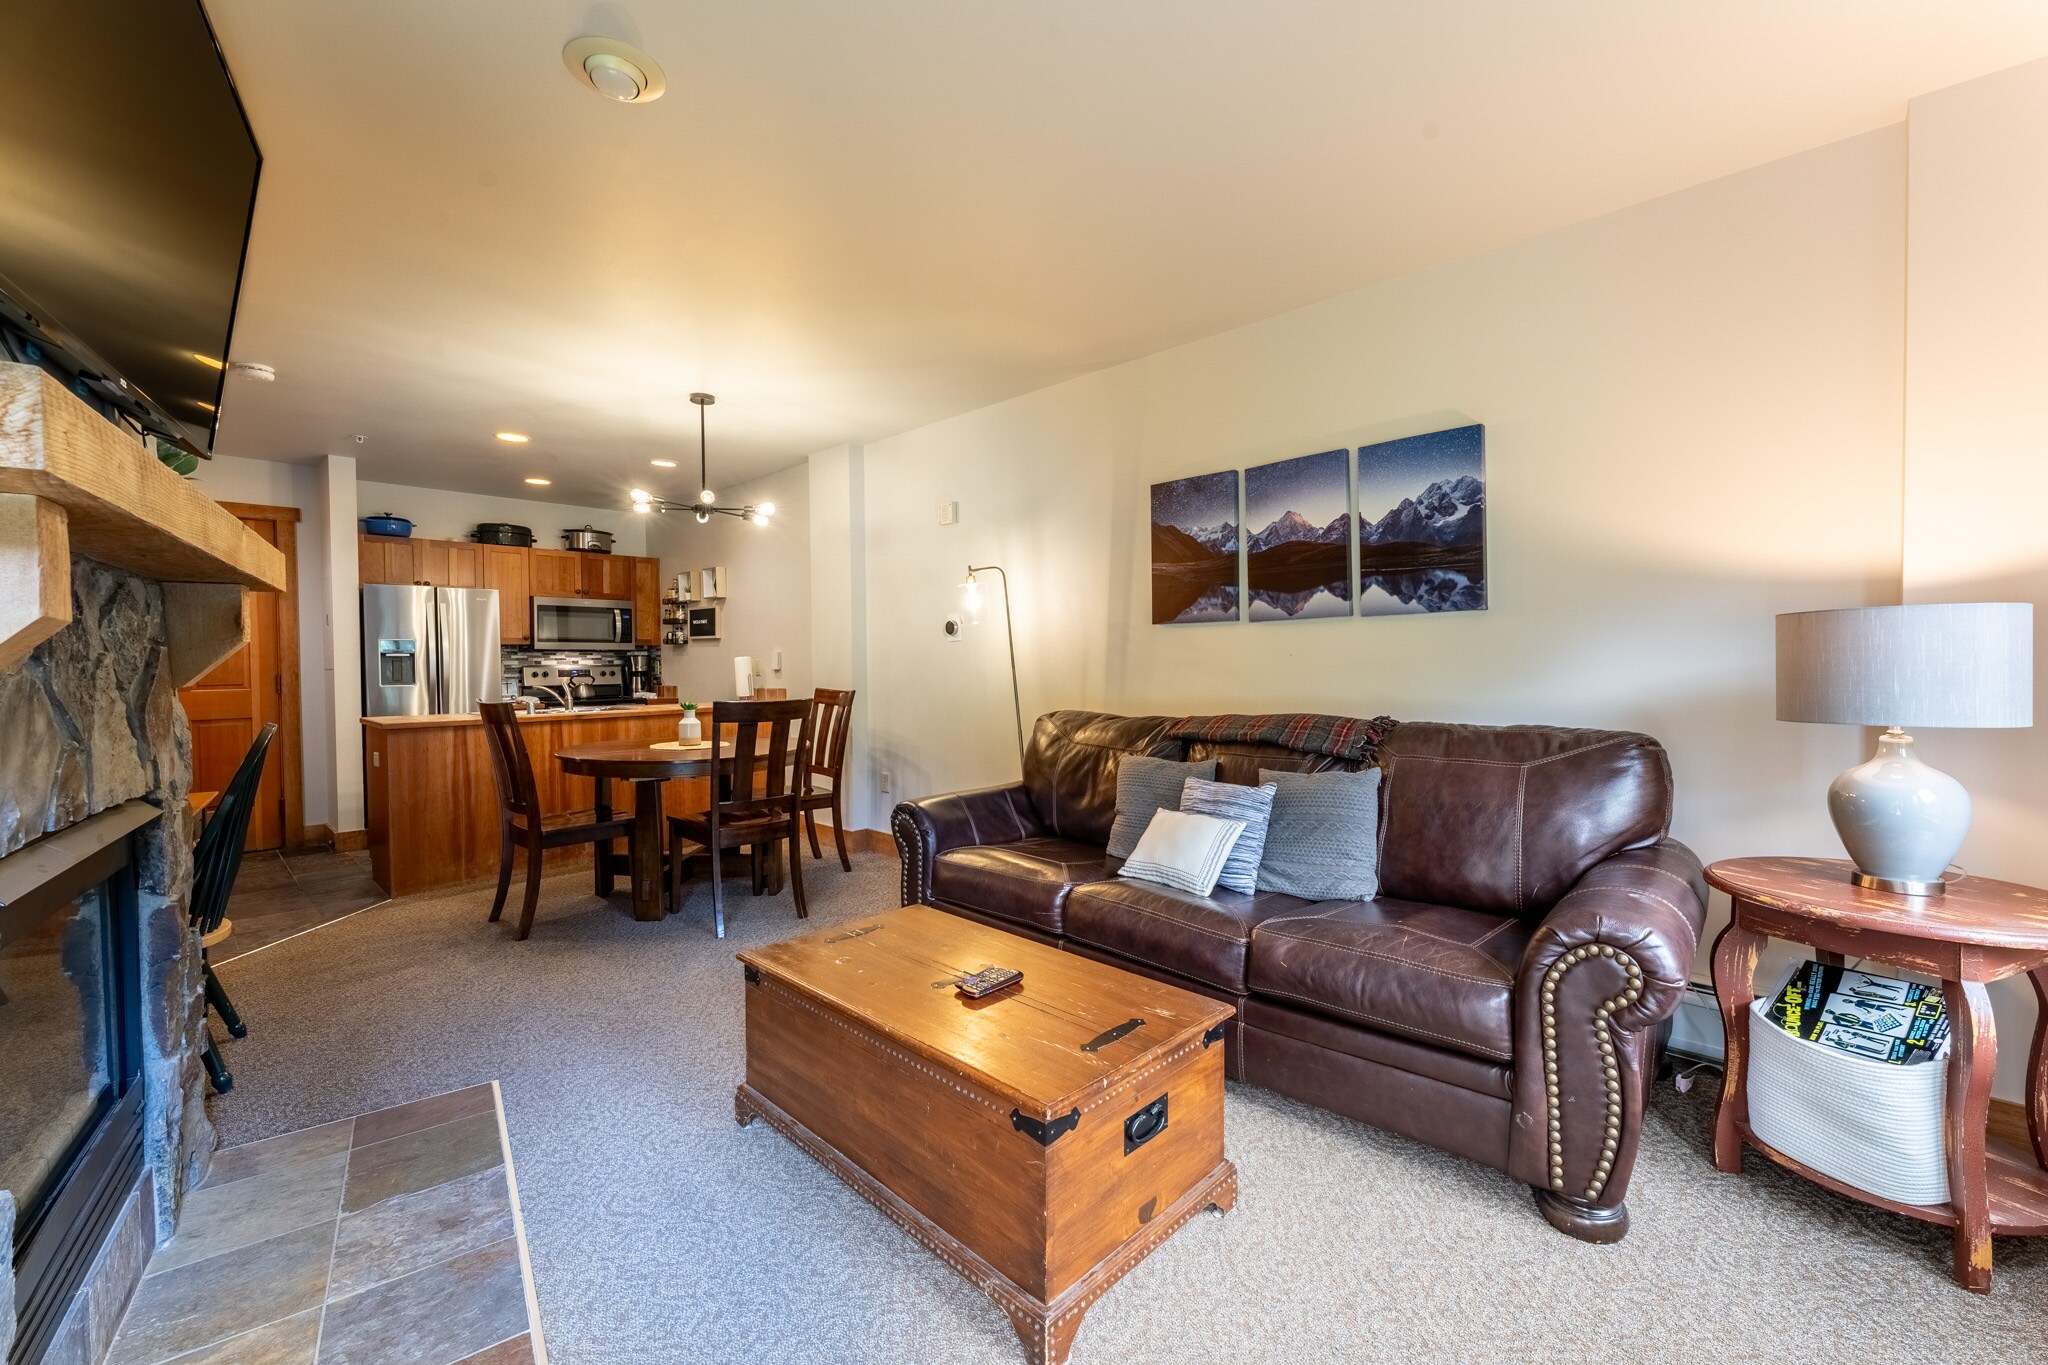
58,1062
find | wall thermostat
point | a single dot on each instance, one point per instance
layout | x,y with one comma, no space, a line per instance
954,630
949,512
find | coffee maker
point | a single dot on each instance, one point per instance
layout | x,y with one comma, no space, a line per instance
643,672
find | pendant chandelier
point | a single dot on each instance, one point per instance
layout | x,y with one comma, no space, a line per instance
706,505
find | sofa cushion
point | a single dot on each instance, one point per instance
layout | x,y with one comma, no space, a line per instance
1070,767
1507,818
1430,972
1203,938
1026,881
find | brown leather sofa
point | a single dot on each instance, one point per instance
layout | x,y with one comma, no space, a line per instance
1505,996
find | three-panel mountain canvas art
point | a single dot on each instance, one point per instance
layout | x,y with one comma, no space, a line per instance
1412,540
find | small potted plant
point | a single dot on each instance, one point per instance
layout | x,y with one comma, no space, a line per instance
689,729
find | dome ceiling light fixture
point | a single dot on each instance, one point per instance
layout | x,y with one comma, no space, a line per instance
706,504
618,71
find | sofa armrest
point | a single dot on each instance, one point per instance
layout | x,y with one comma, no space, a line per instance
925,829
1608,965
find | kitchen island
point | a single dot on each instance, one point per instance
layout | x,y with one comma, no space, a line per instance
433,800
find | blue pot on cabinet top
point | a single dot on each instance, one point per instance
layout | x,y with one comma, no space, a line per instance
384,524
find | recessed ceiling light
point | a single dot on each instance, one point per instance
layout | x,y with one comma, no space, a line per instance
540,483
663,464
209,361
616,70
514,437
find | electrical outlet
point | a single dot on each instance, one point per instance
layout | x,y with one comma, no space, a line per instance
887,778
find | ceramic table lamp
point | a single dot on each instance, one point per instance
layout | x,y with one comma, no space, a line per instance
1942,665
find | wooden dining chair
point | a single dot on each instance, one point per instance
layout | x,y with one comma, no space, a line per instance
216,862
831,722
522,824
740,816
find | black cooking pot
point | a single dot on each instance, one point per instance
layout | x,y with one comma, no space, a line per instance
501,533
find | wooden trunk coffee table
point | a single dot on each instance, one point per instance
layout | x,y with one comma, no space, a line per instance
1040,1140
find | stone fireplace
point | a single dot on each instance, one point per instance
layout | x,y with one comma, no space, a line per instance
119,582
103,1009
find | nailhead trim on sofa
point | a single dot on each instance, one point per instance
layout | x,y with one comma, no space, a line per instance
1610,1072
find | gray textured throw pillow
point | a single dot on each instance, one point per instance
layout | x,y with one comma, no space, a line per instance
1144,787
1323,840
1234,801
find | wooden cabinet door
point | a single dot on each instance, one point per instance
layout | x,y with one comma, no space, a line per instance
387,559
430,562
555,573
646,601
607,575
504,568
465,565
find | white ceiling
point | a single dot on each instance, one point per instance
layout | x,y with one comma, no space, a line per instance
849,219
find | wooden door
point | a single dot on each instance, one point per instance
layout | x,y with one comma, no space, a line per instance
646,601
387,559
607,575
257,685
556,573
505,568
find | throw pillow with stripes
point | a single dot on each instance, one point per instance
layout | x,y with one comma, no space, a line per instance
1234,801
1183,851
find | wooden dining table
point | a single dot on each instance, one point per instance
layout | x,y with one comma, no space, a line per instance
647,764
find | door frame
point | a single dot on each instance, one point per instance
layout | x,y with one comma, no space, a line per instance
292,838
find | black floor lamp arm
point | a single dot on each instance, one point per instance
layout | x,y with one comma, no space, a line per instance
1010,636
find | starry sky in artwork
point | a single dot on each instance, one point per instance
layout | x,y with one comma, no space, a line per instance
1318,487
1202,502
1393,470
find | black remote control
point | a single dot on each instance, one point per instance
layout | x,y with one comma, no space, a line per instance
987,981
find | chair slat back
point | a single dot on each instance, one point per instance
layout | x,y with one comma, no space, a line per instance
218,857
831,722
786,725
518,793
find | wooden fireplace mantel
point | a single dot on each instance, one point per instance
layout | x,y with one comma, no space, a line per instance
72,482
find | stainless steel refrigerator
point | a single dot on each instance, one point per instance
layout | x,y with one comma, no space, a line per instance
429,651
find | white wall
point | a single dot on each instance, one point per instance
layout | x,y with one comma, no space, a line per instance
839,612
1977,440
768,606
438,514
272,484
1692,413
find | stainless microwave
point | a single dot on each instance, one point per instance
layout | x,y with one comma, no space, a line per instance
582,623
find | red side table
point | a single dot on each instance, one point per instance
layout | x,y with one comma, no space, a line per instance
1980,931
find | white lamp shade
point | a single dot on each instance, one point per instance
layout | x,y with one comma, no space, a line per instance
1932,666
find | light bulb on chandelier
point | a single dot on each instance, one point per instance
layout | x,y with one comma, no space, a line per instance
706,504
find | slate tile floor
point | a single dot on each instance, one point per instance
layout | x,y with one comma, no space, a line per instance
387,1237
278,895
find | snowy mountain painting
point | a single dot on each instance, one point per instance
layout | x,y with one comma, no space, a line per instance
1298,557
1422,523
1194,549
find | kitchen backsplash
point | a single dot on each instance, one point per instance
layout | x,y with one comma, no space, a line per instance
515,659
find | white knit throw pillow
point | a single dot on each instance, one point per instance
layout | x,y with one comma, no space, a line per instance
1182,850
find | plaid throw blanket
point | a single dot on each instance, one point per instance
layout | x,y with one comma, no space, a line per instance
1342,737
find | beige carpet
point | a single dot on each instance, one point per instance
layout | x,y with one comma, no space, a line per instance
661,1231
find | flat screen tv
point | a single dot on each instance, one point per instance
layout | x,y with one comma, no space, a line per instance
127,178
